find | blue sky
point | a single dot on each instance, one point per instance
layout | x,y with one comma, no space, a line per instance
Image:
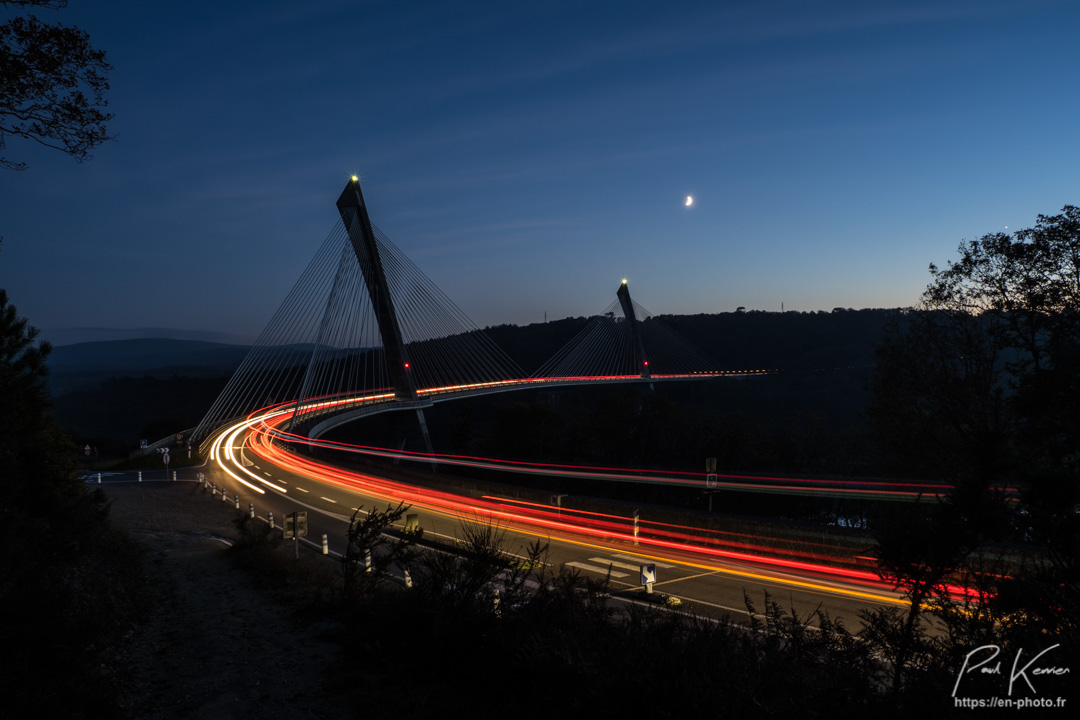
528,156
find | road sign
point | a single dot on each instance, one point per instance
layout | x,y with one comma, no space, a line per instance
295,525
710,465
86,451
710,480
648,574
295,528
165,457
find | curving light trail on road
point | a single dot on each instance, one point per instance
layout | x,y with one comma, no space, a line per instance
732,554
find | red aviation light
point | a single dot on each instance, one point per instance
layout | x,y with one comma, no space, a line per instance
406,366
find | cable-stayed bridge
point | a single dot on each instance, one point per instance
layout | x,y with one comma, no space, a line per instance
364,331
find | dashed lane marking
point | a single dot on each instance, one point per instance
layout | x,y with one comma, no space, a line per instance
616,563
641,561
596,569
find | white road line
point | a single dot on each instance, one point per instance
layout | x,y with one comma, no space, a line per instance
641,560
328,499
267,474
301,489
616,563
596,569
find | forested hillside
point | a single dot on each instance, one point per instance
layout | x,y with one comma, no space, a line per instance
113,394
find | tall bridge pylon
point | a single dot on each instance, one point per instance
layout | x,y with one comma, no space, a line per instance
641,360
357,223
361,324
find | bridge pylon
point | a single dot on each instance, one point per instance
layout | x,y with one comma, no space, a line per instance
357,223
362,325
641,359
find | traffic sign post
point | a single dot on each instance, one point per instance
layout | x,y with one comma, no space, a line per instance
556,500
648,577
710,472
165,459
710,478
296,528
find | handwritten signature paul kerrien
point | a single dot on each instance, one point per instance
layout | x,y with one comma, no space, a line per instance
1025,673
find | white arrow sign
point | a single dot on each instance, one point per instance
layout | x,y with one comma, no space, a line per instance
648,574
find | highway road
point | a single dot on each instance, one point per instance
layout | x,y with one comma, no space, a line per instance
707,581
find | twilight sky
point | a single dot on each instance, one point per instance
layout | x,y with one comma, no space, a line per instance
528,156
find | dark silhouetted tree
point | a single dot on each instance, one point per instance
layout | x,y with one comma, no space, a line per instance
981,390
52,85
71,585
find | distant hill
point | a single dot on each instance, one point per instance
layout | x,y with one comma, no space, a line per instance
75,335
734,341
82,365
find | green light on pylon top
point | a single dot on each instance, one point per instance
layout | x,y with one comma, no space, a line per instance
624,281
355,179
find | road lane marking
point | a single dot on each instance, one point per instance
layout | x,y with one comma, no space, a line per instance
624,566
328,499
640,560
596,569
267,474
301,489
688,577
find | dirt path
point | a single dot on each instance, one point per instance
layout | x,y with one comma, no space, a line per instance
216,647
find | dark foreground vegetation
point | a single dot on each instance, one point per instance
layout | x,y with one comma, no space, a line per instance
511,635
71,585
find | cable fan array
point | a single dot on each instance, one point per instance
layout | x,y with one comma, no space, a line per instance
323,349
606,347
